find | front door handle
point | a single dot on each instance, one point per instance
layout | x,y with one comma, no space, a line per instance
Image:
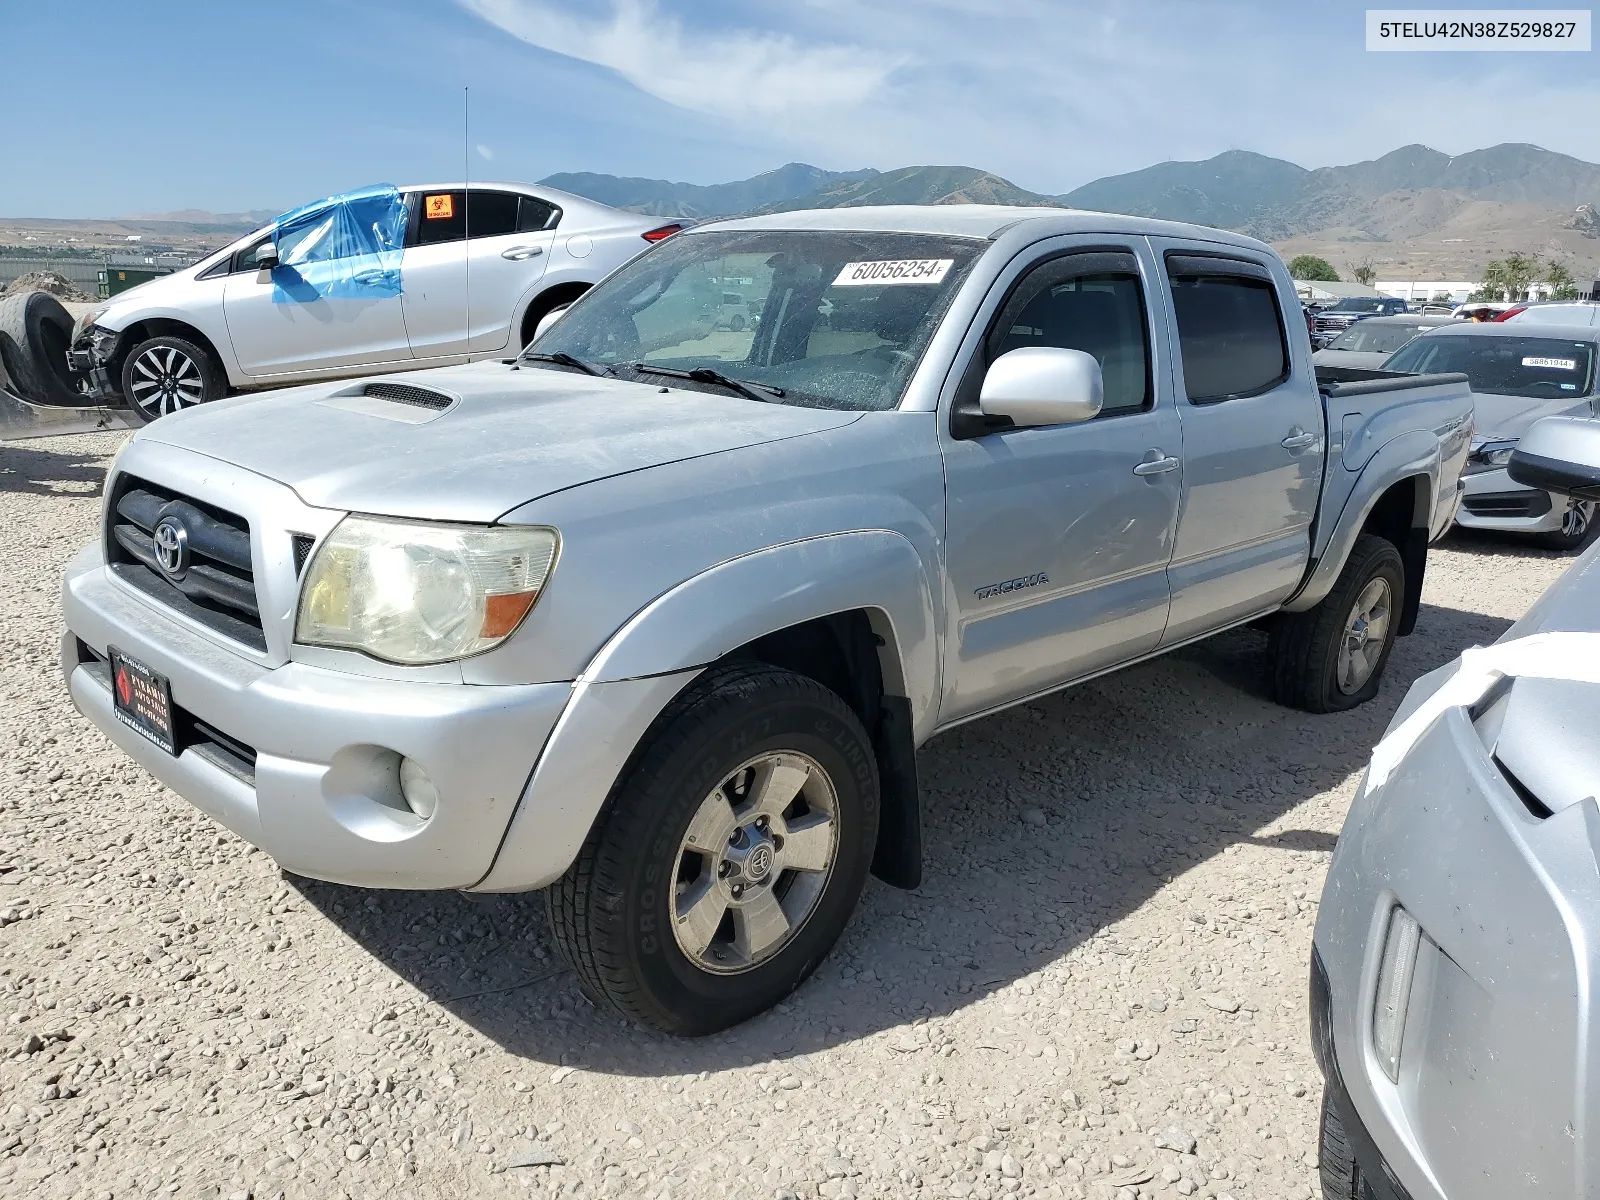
518,253
1156,466
1299,441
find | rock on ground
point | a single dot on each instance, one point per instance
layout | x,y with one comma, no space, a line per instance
1099,991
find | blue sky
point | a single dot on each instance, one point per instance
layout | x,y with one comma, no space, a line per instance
229,105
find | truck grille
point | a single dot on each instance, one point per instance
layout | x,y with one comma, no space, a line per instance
214,586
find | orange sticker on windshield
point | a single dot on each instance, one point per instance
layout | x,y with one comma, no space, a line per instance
439,208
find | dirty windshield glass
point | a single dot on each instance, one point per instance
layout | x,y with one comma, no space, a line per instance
1505,366
1368,337
822,318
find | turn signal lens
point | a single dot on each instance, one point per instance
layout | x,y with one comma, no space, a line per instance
1399,966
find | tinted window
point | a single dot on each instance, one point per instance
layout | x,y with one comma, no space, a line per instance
1101,313
1508,366
1229,335
535,215
1366,304
491,214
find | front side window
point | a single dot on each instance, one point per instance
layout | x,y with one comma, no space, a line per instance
1090,302
1539,368
1230,336
820,318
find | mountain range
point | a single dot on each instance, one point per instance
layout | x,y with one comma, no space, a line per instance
1414,212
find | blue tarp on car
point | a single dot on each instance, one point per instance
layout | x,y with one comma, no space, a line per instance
347,245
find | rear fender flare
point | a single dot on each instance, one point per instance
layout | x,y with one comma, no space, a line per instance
1409,456
745,598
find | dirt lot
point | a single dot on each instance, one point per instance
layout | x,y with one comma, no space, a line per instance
1100,991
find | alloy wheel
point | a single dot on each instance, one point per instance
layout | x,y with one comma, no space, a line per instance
754,862
1366,630
166,379
1575,521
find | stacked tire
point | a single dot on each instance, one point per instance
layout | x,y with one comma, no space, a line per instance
35,334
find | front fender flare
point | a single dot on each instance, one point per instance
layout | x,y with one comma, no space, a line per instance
745,598
1406,457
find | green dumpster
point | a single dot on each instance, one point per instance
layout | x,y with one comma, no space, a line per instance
120,279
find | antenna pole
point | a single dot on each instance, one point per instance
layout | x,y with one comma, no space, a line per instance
466,203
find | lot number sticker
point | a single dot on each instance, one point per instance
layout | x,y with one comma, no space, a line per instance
900,270
1558,364
439,208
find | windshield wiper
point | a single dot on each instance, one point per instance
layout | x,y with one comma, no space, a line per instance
764,392
562,359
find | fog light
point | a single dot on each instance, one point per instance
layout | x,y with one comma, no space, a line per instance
1399,964
417,788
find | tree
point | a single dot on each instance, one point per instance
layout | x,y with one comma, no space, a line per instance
1562,286
1365,273
1309,266
1508,278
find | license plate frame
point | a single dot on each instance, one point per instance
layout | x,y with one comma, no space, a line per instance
141,698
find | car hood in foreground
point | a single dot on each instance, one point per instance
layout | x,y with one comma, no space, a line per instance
511,436
1509,416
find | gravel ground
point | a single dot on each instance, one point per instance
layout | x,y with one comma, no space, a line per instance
1099,992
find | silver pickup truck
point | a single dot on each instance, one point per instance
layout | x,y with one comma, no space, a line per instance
656,615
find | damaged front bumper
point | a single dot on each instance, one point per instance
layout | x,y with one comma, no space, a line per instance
91,360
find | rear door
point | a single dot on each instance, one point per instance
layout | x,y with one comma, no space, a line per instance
1253,439
1056,549
472,258
294,331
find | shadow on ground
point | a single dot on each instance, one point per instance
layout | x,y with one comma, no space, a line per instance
1140,775
30,470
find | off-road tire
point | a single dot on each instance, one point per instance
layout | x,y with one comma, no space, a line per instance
35,335
610,912
1336,1161
213,381
1305,645
1565,541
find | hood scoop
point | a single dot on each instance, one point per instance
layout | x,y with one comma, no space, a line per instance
403,402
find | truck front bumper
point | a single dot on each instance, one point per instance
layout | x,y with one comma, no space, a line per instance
1492,500
303,762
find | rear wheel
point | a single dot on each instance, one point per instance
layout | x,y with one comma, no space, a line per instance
1331,657
1577,521
165,374
729,858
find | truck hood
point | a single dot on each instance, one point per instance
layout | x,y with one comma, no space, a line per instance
511,436
1509,416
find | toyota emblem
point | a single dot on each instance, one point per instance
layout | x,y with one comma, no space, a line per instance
170,541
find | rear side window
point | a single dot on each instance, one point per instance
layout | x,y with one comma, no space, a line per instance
1086,301
1230,333
535,214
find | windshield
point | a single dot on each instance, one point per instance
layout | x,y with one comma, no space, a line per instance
1357,304
820,318
1371,338
1507,366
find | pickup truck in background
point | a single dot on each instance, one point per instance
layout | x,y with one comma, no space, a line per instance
656,615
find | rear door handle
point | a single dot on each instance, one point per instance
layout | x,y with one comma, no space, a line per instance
1156,466
1299,441
518,253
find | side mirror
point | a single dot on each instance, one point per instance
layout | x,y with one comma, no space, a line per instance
1043,385
549,319
1560,454
266,257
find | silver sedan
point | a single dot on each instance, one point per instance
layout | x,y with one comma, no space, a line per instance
1454,1007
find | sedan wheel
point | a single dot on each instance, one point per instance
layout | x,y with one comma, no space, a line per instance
167,374
1577,522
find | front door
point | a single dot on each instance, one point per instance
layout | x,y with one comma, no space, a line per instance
1252,440
471,257
1056,548
295,330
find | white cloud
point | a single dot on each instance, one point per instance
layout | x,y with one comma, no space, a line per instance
734,74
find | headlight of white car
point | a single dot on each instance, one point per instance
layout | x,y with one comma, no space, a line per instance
413,592
1489,453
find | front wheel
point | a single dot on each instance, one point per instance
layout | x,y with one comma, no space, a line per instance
1331,657
729,858
1576,522
165,374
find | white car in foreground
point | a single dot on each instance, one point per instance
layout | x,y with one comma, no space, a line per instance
470,273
